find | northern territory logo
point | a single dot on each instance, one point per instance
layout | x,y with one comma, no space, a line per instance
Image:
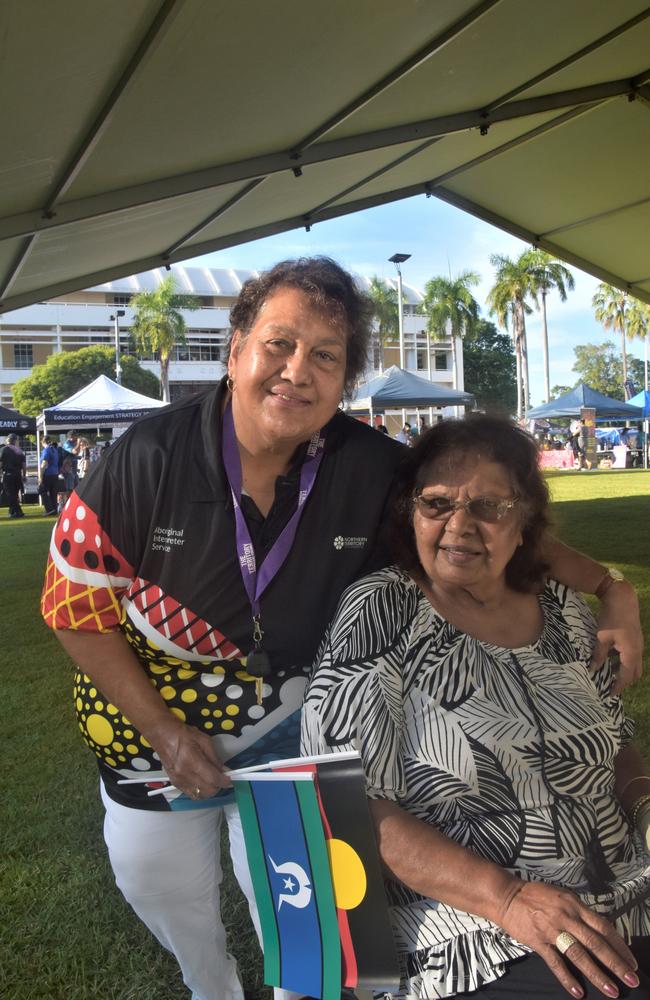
350,542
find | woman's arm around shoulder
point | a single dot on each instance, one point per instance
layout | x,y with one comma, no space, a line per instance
619,623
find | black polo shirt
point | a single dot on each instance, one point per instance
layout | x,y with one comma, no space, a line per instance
148,545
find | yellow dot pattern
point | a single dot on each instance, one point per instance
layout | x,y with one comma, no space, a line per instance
212,708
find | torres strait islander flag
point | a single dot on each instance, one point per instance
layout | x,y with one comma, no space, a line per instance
317,876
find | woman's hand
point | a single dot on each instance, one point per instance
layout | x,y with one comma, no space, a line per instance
536,913
189,758
187,755
619,627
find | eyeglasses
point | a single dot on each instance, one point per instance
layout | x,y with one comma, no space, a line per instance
488,509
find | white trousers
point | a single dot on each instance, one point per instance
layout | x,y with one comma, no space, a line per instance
167,866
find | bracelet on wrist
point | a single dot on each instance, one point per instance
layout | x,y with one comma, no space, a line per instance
639,807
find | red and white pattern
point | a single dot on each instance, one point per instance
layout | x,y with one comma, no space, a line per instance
170,624
86,574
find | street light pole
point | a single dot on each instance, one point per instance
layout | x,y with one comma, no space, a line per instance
118,368
397,259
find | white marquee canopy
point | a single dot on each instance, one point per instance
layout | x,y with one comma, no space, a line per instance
101,403
136,134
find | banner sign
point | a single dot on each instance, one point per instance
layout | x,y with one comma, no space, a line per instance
90,418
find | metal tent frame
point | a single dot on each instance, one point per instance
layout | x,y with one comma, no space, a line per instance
531,116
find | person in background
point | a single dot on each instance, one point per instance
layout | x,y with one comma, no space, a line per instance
14,473
49,476
380,425
404,436
583,441
512,808
423,425
71,448
83,462
205,555
70,481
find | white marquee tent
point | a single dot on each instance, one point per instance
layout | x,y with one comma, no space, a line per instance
101,403
136,134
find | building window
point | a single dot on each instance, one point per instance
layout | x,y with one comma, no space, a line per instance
441,361
122,300
23,355
422,361
198,350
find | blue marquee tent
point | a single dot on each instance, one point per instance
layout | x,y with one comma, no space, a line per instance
398,388
642,399
570,404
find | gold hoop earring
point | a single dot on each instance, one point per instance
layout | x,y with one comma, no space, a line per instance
230,384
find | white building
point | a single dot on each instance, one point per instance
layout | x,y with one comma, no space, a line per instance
80,319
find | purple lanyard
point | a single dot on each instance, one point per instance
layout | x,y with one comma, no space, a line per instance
256,581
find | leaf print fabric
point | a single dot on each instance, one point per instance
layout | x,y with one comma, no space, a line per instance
456,731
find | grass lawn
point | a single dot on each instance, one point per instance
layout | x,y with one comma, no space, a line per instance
66,933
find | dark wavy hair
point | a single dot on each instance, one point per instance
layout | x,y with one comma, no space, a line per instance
331,290
498,440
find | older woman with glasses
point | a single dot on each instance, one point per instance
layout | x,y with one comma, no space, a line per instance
513,812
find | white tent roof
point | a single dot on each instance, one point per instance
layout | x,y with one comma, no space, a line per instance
137,134
100,403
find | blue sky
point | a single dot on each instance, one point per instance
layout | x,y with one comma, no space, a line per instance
440,239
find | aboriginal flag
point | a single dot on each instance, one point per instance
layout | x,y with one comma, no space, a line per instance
317,877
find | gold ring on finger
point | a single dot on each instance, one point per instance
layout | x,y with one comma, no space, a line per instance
563,941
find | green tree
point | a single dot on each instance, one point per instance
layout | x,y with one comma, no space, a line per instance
65,373
385,312
508,301
158,323
623,314
490,368
547,273
451,310
638,326
560,390
600,366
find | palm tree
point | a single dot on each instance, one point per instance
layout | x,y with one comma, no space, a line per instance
610,309
638,324
451,309
626,316
385,312
547,272
158,323
507,301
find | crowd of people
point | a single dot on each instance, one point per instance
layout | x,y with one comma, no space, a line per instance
217,543
61,468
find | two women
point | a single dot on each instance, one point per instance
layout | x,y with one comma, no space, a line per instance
513,811
193,573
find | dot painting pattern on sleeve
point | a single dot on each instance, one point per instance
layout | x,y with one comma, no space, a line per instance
216,696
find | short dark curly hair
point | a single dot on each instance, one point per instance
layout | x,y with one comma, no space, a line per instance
499,440
330,288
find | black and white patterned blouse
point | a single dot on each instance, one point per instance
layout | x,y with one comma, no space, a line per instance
509,752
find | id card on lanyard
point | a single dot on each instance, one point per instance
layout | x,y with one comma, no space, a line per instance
257,579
